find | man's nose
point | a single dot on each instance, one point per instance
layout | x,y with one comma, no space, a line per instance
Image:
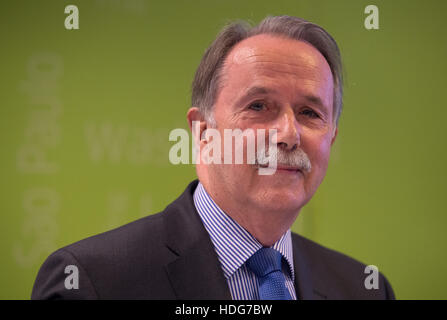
288,130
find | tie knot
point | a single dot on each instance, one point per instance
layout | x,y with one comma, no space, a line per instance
265,261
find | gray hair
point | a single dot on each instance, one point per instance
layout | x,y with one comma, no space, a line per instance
207,78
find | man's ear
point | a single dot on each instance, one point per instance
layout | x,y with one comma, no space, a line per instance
194,116
334,135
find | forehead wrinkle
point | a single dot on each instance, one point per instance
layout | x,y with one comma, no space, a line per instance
290,72
306,72
295,63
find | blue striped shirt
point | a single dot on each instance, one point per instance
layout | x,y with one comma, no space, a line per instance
234,246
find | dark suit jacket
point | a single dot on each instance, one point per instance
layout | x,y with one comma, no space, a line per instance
169,255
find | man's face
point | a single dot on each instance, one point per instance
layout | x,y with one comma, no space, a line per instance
270,82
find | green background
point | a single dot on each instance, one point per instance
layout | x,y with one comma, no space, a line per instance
85,117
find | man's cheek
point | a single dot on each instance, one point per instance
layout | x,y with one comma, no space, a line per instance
318,153
323,149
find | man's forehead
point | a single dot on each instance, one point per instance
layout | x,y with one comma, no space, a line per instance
270,60
266,47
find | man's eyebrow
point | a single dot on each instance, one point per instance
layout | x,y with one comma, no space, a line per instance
253,91
315,100
258,90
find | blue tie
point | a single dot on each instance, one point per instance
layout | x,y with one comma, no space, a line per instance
266,265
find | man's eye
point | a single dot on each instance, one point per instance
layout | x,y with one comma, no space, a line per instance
310,113
257,106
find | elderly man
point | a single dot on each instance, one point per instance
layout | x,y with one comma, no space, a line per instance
228,235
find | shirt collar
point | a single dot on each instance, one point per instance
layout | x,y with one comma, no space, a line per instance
233,244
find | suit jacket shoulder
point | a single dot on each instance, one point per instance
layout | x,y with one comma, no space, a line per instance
333,275
164,256
108,264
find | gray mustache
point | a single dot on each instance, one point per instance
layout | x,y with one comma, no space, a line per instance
296,158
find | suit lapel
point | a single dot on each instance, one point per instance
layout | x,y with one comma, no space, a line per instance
195,276
194,272
303,277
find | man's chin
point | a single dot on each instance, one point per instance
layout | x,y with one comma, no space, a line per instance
282,199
